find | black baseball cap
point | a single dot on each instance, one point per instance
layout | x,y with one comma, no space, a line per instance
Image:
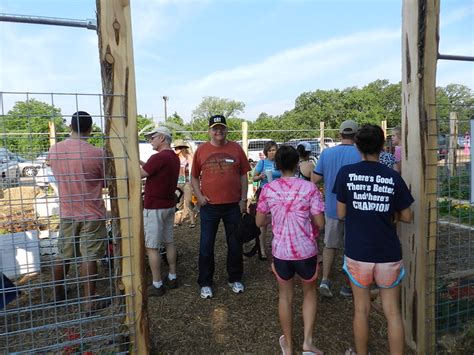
216,120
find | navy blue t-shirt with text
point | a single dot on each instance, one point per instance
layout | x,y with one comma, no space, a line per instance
372,193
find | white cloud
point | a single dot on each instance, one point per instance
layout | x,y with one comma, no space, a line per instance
316,65
63,60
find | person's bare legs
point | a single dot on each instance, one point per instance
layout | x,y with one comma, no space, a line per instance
391,307
285,300
309,314
60,270
171,257
328,260
188,204
190,212
155,263
361,318
88,274
261,239
178,218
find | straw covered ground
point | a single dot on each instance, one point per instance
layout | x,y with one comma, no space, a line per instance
180,321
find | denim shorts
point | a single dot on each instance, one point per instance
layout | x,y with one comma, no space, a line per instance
363,274
306,269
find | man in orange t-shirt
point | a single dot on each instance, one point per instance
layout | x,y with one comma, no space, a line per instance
220,183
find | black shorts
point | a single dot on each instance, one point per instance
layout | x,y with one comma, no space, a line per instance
305,269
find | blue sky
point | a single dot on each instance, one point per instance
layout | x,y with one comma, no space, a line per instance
264,53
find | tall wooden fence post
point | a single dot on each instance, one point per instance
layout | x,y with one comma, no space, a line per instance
419,165
245,140
118,78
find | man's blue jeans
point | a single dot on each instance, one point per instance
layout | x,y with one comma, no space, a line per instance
210,218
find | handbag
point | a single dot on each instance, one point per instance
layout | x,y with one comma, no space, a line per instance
247,232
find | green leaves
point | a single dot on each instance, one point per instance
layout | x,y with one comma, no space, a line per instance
25,128
212,105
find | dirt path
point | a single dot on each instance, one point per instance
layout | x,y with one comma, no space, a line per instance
244,323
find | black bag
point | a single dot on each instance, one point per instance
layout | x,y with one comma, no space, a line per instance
247,232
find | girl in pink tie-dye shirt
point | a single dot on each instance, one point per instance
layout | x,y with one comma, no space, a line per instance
296,210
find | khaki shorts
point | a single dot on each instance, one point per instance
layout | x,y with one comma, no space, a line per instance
334,233
82,238
158,226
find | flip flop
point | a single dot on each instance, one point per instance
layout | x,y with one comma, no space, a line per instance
281,341
192,225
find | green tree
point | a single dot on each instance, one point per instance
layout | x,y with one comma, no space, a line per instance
144,124
25,127
211,105
373,103
97,137
455,98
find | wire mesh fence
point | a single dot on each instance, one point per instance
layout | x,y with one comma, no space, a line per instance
47,298
35,318
454,275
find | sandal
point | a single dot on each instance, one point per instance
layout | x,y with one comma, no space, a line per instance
192,225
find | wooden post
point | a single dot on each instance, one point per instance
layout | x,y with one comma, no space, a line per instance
245,141
451,155
118,78
419,164
321,136
383,125
52,133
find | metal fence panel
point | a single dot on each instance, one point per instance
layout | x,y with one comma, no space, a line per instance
32,317
454,308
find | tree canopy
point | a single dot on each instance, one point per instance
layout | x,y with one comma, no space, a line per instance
211,105
26,127
373,103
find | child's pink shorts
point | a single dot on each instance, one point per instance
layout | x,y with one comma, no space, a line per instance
363,274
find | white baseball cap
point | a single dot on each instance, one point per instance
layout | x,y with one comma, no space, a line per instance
159,130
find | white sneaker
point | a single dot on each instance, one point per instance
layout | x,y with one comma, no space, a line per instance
206,292
237,287
325,288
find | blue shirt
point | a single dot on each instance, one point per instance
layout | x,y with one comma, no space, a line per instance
329,163
264,165
372,193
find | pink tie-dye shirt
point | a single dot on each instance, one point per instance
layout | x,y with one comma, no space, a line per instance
292,201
